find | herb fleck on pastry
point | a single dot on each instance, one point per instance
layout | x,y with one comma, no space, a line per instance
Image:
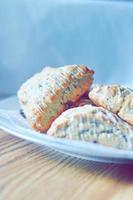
126,111
93,124
46,95
110,97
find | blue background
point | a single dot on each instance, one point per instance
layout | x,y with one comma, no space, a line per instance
38,33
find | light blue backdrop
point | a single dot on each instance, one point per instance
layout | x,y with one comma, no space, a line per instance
37,33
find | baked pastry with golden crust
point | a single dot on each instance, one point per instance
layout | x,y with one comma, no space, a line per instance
47,94
126,111
110,97
93,124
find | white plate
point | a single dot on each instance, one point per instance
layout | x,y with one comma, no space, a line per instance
12,122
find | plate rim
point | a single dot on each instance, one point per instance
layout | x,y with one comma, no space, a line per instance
126,156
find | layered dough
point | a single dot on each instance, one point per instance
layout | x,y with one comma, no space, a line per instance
56,100
47,94
114,98
93,124
126,111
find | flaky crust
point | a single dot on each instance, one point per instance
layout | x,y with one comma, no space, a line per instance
126,111
46,95
94,124
110,97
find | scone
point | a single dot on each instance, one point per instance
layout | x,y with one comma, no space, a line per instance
110,97
126,111
94,124
47,94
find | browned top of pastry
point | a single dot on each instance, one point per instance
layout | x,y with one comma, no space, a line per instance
44,96
110,97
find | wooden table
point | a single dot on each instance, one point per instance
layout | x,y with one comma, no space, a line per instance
32,172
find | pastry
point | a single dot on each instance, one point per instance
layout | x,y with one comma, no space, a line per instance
110,97
47,94
93,124
126,111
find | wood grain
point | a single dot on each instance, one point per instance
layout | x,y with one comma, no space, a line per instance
29,171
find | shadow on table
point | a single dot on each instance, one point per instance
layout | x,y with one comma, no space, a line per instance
120,172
